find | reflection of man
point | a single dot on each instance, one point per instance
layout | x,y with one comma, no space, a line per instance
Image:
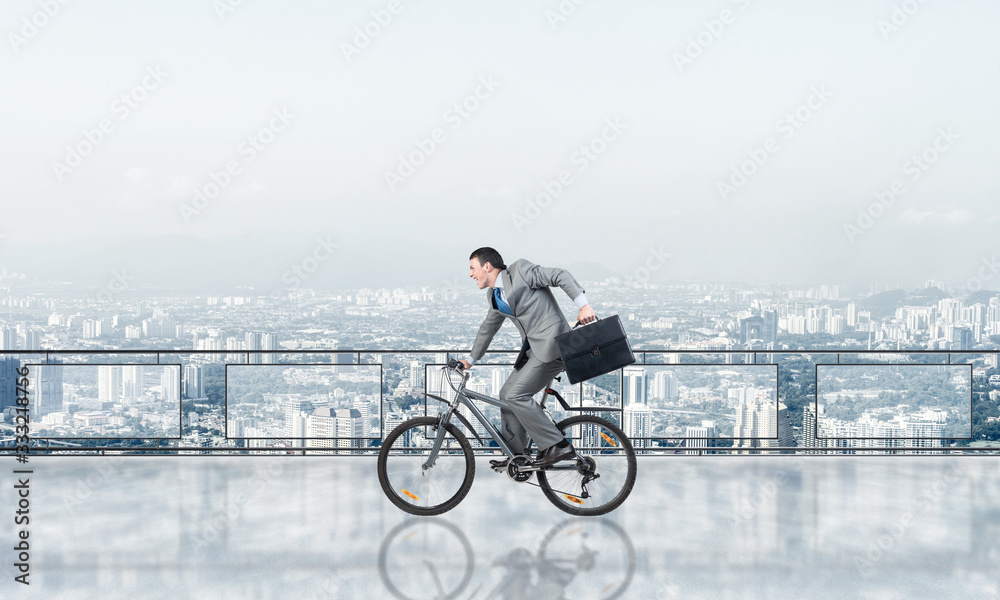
521,293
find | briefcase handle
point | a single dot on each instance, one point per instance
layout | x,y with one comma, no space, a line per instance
578,323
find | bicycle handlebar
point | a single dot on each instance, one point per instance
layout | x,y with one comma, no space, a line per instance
455,364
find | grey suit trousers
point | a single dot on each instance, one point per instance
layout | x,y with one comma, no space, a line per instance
526,414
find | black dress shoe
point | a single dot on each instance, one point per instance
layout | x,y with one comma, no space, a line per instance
553,455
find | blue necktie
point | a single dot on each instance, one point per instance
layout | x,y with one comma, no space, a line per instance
504,308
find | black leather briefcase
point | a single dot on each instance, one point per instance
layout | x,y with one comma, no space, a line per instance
594,349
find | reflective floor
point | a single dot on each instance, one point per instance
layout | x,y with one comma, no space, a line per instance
694,527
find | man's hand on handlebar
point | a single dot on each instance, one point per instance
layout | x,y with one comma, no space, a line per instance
586,315
465,364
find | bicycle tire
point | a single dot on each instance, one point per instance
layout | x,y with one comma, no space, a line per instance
434,490
563,487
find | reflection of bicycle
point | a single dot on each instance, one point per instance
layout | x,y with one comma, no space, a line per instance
433,560
592,559
426,465
442,549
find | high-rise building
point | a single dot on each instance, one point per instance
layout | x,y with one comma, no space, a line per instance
810,438
701,437
364,409
349,426
8,338
269,341
961,338
664,386
633,385
295,406
321,428
132,381
751,328
760,425
251,343
331,428
8,382
638,421
30,339
48,389
170,384
415,374
109,383
498,376
194,381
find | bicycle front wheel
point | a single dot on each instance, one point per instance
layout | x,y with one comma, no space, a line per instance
413,485
603,479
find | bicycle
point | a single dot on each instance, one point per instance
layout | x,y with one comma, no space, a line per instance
432,559
426,465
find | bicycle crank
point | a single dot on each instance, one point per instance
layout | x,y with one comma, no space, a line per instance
516,469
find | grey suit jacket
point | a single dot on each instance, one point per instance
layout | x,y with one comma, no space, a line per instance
536,313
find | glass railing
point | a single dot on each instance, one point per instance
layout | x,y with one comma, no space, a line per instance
344,402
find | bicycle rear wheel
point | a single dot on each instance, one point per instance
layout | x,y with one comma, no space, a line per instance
421,490
604,477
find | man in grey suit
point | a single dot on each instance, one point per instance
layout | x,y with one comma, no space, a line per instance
520,292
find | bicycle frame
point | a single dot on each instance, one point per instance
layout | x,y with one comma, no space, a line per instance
464,397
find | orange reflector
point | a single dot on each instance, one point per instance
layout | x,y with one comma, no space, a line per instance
573,499
411,494
608,439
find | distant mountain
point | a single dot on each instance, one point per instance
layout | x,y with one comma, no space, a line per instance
927,296
883,304
980,297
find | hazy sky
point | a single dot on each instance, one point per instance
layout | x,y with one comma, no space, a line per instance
838,97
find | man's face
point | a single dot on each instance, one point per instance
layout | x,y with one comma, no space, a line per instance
480,273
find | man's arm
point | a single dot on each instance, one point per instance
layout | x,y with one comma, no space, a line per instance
491,324
537,277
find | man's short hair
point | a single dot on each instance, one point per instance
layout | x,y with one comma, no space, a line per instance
488,255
